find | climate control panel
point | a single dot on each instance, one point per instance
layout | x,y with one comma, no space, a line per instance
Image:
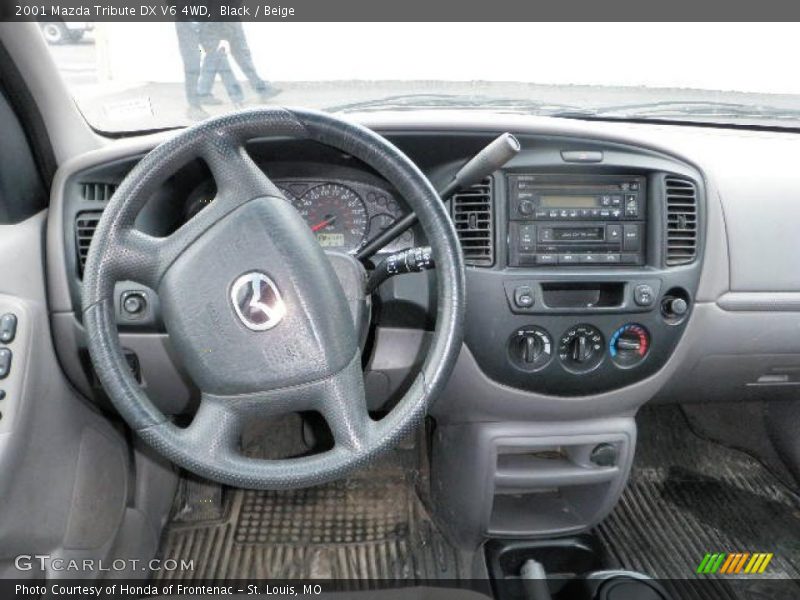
580,349
576,334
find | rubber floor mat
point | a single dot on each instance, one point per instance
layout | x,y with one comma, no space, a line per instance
688,497
369,526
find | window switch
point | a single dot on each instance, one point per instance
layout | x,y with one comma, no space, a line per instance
8,328
5,362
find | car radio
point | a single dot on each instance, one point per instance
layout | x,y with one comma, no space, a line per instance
576,220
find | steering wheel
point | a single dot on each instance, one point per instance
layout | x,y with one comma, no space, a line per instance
254,308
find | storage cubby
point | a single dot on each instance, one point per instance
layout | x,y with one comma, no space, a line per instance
529,480
542,489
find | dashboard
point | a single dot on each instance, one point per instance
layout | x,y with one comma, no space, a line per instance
597,266
584,257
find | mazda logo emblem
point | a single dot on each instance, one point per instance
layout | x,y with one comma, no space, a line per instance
257,301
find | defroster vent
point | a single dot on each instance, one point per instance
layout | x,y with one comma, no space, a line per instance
681,195
85,225
472,216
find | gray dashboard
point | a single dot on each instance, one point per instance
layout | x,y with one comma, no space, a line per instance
486,385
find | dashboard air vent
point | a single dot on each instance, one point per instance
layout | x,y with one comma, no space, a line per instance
681,197
472,216
85,225
98,192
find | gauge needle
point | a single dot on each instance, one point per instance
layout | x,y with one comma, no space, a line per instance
321,224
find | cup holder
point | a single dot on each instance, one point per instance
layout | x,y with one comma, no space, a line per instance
628,588
622,585
563,559
575,569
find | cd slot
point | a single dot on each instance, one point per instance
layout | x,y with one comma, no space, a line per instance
572,234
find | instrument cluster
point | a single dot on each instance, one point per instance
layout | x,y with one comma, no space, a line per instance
343,215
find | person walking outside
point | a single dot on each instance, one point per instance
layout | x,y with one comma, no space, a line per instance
215,61
233,41
189,46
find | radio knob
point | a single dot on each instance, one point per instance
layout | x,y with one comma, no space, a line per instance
526,207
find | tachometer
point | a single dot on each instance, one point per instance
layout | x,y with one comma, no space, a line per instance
205,194
336,215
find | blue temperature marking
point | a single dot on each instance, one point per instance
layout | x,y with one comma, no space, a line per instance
612,344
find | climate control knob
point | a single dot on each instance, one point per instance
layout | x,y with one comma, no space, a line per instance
629,345
530,348
581,348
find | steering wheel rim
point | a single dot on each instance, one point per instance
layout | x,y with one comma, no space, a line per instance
313,333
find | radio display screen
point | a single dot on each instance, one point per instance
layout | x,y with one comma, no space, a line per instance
578,234
554,201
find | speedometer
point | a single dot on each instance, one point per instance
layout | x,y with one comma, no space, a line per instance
336,215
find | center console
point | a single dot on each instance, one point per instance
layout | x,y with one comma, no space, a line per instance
597,255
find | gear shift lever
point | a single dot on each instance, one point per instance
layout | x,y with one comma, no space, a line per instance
534,580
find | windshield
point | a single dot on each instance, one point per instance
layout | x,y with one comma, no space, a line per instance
145,76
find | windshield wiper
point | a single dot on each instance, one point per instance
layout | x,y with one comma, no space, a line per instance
677,110
698,109
451,101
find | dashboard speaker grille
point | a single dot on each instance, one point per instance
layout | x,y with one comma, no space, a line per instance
472,216
98,192
681,224
85,225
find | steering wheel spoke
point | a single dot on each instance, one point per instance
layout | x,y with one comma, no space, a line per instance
343,405
237,177
215,429
133,258
145,258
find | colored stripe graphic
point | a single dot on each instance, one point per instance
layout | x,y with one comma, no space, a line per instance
753,564
764,564
741,561
711,563
703,563
718,564
733,563
729,562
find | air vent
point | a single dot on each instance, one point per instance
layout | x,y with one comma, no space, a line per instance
681,221
98,192
85,225
472,216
